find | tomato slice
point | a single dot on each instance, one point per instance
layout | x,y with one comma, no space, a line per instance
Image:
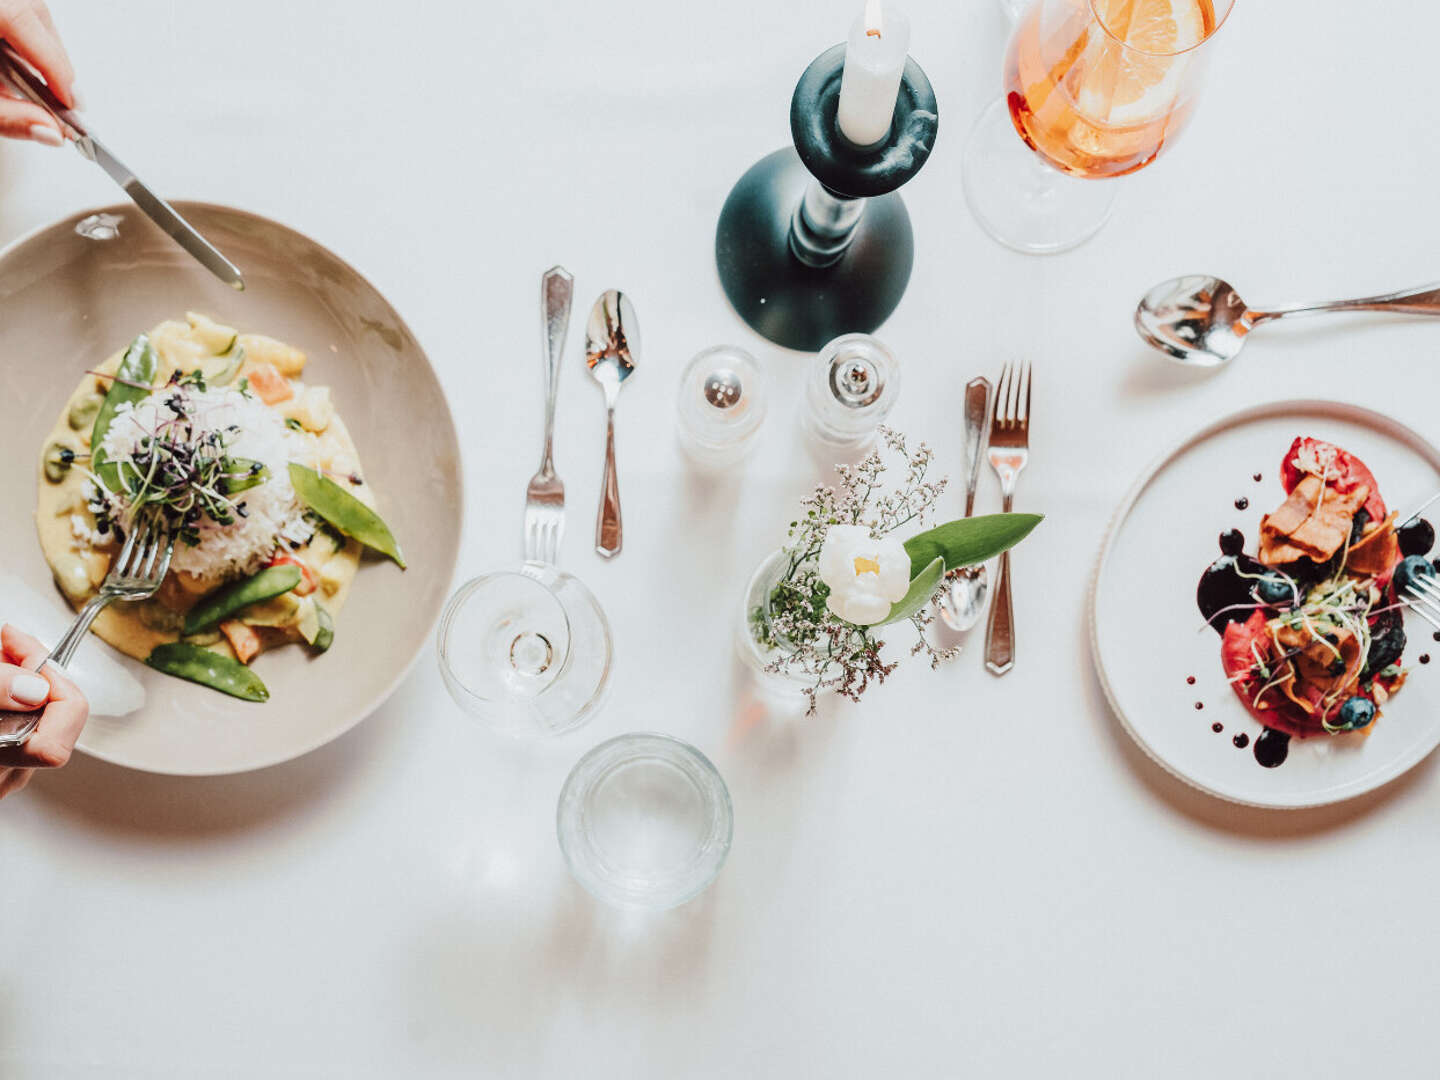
307,576
1347,473
1237,657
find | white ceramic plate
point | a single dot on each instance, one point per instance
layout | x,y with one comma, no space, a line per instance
71,295
1148,636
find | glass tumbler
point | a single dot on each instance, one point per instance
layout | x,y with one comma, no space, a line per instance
644,821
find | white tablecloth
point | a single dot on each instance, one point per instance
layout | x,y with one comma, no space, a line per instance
965,876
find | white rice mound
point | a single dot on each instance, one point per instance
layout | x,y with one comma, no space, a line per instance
274,514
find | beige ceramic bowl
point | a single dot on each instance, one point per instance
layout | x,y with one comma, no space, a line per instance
70,294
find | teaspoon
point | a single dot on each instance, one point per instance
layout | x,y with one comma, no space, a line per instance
1201,321
612,343
963,601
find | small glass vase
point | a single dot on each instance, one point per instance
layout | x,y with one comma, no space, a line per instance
780,688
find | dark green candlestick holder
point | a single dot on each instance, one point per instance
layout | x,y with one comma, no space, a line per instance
815,241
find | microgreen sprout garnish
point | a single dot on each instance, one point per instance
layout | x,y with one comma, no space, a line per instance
178,476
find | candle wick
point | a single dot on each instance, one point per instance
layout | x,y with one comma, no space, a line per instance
874,18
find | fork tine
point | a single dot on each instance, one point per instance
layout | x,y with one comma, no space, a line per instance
122,560
1025,402
146,562
1422,605
1426,584
1002,398
1430,589
167,549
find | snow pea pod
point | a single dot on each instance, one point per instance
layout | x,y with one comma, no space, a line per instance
268,583
326,635
131,384
347,513
212,669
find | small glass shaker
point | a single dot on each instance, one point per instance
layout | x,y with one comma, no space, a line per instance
723,395
851,388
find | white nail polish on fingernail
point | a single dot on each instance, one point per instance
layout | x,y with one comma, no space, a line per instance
47,135
29,689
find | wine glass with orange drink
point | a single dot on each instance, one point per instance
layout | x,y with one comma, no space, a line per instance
1095,89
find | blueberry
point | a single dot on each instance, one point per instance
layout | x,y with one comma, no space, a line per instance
1410,568
1356,713
1416,536
1387,641
1277,591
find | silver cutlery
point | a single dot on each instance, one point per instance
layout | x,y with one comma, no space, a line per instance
611,347
1009,453
1422,596
76,128
1201,321
963,601
135,574
545,497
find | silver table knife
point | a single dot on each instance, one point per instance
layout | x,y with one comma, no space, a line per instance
18,74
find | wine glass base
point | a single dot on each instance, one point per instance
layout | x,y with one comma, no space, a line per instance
1022,202
783,299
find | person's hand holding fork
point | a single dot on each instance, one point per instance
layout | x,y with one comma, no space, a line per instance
63,715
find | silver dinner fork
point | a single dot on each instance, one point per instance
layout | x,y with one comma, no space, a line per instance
545,497
135,574
1009,453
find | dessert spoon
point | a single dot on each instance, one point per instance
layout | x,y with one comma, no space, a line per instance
1201,321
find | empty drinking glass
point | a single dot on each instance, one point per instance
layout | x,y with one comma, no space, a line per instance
644,821
527,650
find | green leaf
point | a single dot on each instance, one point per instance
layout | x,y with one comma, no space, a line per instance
138,366
344,511
922,588
969,540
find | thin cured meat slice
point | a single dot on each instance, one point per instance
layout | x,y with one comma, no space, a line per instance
1237,653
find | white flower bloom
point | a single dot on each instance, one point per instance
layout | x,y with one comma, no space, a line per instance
866,576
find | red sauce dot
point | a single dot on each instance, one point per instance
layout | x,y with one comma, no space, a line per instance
1199,704
1191,678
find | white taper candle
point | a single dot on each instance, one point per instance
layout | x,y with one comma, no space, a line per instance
874,60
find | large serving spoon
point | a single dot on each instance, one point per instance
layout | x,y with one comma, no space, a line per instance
963,601
1200,320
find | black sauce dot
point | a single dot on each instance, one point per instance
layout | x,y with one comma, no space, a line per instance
1217,727
1242,503
1424,658
1199,705
1241,741
1435,636
1191,678
1232,542
1257,478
